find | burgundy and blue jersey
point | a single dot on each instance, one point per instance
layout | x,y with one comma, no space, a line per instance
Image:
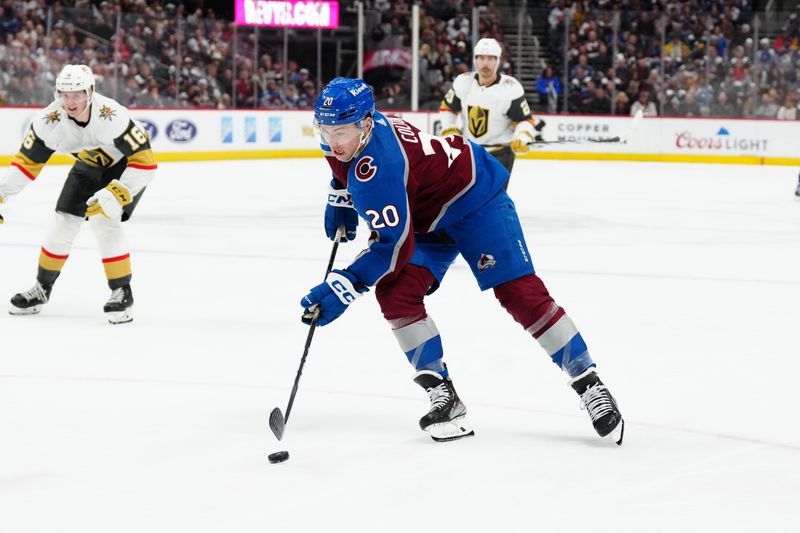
406,182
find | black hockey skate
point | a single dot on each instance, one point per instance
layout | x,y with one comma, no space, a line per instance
603,410
119,307
31,301
447,418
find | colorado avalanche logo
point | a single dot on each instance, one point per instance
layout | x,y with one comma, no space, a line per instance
486,262
365,170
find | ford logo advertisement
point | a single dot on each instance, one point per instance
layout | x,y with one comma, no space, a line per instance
149,127
181,131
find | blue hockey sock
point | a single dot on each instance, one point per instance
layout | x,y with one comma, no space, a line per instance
564,344
422,345
573,358
428,356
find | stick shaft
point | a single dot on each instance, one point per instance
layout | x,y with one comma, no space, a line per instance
311,329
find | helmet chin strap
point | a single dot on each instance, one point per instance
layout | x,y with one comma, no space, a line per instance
86,109
362,140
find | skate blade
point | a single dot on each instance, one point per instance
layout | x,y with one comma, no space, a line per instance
448,431
120,317
617,433
25,310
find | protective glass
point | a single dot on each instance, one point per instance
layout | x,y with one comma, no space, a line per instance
338,135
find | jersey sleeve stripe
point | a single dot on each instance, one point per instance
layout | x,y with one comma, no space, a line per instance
27,166
143,159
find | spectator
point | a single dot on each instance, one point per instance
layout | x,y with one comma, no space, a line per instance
273,96
722,107
689,106
548,86
645,105
308,96
622,104
768,108
462,54
788,111
457,26
600,104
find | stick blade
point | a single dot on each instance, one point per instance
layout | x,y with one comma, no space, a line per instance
277,423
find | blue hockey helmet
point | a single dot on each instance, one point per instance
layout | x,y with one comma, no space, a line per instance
344,101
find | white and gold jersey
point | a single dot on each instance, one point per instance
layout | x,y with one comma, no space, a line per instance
485,115
109,136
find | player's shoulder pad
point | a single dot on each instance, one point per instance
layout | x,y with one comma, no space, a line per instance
383,151
111,118
48,119
510,86
462,82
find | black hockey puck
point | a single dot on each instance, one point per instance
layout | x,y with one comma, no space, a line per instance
278,457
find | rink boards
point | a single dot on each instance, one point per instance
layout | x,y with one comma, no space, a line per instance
193,135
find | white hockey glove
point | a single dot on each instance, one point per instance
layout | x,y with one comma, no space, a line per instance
109,201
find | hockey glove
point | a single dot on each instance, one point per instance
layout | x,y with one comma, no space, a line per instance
521,142
449,131
109,201
330,298
340,212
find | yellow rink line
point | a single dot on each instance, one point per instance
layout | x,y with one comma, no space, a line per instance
578,156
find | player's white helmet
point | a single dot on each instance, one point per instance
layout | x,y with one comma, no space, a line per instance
488,47
75,78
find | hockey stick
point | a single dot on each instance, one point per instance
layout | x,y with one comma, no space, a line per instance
623,139
277,421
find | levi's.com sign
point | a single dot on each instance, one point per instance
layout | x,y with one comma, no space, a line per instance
290,13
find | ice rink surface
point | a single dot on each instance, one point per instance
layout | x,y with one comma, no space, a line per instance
684,279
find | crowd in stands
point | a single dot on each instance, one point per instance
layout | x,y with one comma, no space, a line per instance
688,58
169,54
164,55
445,45
711,62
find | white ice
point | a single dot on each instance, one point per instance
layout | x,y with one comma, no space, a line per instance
684,279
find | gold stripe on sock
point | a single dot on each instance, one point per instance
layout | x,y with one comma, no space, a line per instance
117,267
50,261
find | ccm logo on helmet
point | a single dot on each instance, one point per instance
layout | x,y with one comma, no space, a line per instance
365,170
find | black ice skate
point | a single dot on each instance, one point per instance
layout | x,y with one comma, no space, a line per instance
31,301
797,191
447,418
119,307
603,410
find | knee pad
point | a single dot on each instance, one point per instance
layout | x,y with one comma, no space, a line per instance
61,233
401,299
109,235
527,300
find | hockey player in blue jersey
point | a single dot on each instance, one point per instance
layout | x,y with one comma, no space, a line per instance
427,200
